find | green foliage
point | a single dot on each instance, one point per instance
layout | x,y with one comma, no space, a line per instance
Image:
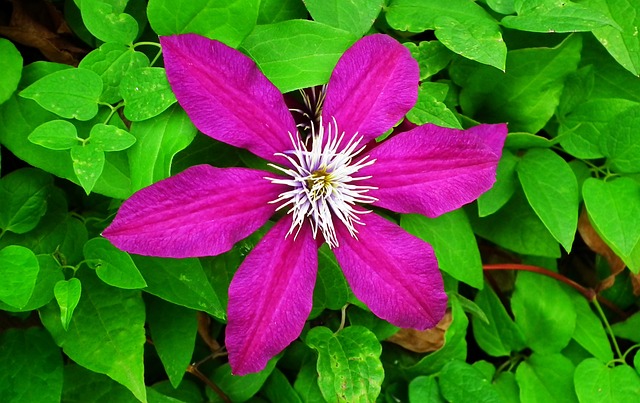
81,320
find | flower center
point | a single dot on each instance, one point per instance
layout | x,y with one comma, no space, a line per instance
323,180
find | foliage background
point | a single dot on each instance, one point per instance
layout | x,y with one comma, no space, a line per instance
87,118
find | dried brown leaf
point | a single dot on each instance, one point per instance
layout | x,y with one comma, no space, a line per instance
423,341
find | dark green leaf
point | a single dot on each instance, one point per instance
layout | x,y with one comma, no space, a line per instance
424,389
30,367
107,21
552,190
331,290
355,16
526,95
23,199
146,93
84,386
241,388
228,22
628,329
432,57
67,293
595,382
181,281
88,164
462,26
48,275
453,241
297,53
621,141
548,322
546,378
589,331
113,61
157,142
110,138
19,274
614,211
112,265
55,135
173,331
306,383
11,67
349,367
70,93
430,107
460,382
277,388
501,336
506,184
281,10
106,334
380,327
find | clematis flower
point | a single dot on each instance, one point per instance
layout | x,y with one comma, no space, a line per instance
325,189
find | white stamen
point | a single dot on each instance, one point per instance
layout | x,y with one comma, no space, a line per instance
322,182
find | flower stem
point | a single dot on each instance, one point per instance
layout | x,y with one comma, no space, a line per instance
607,326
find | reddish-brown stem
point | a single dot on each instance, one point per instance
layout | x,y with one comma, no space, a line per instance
588,293
192,369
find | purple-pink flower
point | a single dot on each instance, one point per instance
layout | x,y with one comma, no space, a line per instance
325,188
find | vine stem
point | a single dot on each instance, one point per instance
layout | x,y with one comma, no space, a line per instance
609,330
588,293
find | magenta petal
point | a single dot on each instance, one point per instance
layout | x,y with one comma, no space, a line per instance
394,273
431,170
226,96
374,84
270,297
202,211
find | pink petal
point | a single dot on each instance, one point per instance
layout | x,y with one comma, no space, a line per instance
394,273
202,211
270,297
226,96
431,170
374,84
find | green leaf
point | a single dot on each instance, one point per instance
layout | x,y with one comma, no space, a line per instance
349,367
82,385
88,164
526,95
453,242
552,190
432,57
277,388
107,332
364,318
55,135
502,6
430,107
110,138
517,227
460,382
23,199
146,93
158,140
331,290
500,337
113,61
281,10
112,265
306,383
11,67
455,345
241,388
628,329
584,131
297,53
462,26
546,378
506,385
555,16
622,41
621,141
589,331
355,16
424,389
67,293
30,366
173,331
107,21
70,93
519,141
506,184
548,322
595,382
48,275
181,281
228,22
19,273
614,211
